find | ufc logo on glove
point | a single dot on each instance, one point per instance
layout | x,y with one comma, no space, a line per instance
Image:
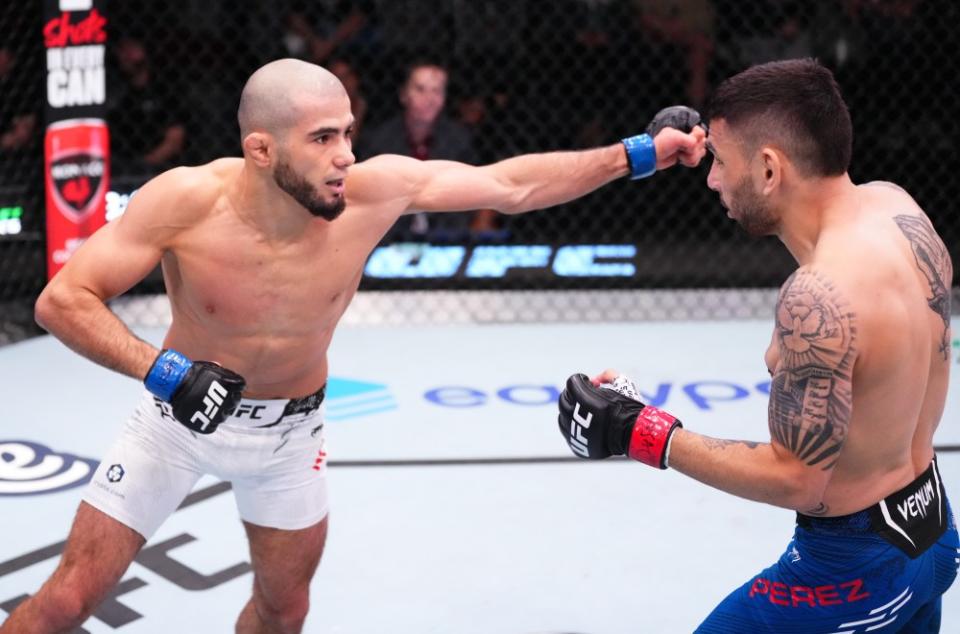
578,442
617,422
202,394
211,403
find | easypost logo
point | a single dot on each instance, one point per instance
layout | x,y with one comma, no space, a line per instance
28,468
703,394
349,398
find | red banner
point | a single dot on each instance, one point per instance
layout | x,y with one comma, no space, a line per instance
77,144
77,169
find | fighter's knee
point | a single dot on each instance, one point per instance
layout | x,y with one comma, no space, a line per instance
68,604
286,614
73,592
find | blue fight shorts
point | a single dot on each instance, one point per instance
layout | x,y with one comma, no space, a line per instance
880,570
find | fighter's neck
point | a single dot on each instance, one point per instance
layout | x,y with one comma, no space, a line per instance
814,208
259,203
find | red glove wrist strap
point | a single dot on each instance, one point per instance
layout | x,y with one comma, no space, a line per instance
651,433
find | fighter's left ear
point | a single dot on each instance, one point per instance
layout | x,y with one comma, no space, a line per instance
771,162
259,147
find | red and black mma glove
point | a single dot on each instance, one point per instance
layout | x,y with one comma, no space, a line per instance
201,394
599,422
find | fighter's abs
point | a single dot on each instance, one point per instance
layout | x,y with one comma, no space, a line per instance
275,335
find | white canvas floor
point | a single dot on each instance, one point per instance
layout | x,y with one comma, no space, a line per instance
457,507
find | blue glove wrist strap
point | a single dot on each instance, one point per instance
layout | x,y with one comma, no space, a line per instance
166,373
641,155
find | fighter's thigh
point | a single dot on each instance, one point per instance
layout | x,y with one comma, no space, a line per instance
284,561
146,473
98,551
866,584
286,486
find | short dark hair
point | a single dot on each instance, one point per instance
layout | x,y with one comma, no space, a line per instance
794,104
422,62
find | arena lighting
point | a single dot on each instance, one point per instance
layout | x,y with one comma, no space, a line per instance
429,261
10,218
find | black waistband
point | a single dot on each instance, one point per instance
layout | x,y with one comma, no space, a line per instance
301,405
854,522
305,404
912,518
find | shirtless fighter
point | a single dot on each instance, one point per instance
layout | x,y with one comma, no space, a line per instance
260,256
860,360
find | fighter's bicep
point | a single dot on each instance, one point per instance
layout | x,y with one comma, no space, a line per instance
112,260
409,185
811,395
124,251
386,183
451,186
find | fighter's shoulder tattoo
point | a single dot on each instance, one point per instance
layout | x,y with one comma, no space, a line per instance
933,260
811,393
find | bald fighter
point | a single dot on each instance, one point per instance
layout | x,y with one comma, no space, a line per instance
860,360
261,256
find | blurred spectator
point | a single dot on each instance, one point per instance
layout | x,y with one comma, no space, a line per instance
892,9
147,119
490,116
583,84
786,36
910,79
680,31
423,131
489,35
347,73
409,29
19,125
317,30
599,41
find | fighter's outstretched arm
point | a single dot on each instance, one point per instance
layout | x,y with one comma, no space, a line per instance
522,183
72,306
809,411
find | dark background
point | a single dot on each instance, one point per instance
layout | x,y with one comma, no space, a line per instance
524,76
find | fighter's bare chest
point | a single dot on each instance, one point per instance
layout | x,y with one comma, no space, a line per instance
252,286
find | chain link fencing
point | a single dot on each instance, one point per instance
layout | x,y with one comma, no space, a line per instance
522,76
22,259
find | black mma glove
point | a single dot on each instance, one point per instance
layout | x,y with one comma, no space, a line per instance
682,118
202,394
599,422
640,149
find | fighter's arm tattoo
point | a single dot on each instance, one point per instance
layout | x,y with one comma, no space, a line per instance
811,393
933,260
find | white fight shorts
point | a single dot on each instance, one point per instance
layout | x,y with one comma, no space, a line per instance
271,451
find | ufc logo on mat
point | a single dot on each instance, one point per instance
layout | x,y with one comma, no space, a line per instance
211,405
578,423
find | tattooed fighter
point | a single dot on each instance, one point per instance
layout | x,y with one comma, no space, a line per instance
860,365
